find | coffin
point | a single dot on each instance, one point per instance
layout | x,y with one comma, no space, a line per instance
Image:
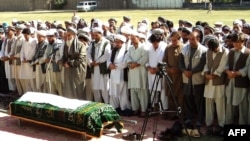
85,117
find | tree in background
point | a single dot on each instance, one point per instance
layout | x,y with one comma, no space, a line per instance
58,4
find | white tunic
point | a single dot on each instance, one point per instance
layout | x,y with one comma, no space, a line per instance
217,91
117,75
155,56
137,77
27,52
99,81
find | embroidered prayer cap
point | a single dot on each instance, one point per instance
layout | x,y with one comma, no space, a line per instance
42,33
120,37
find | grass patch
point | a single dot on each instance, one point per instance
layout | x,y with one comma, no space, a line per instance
225,16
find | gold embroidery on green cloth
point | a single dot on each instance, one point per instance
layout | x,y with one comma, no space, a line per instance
87,118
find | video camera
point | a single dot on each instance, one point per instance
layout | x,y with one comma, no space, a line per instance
162,67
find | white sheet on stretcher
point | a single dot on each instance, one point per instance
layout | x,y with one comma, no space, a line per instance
52,99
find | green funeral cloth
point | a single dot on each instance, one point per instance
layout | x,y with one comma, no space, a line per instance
88,118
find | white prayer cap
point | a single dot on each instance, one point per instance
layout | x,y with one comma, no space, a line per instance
97,22
39,21
14,20
145,21
239,22
141,35
86,29
106,24
41,33
71,29
51,32
84,35
83,30
218,23
217,31
158,31
135,33
43,26
20,27
97,29
27,23
126,30
142,28
142,24
120,37
32,30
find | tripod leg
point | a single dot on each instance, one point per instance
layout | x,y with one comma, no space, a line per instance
178,108
144,126
157,78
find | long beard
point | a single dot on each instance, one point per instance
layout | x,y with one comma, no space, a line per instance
69,42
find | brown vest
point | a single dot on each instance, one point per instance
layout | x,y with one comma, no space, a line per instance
213,64
240,82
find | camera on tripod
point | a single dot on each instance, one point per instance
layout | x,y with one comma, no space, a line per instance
162,67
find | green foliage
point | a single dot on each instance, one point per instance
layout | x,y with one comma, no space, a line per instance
58,4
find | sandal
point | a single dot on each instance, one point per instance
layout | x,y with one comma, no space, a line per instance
188,132
195,133
131,137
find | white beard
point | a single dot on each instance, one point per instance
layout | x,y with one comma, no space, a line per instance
69,42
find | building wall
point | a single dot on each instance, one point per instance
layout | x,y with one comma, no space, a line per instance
23,5
157,4
15,5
